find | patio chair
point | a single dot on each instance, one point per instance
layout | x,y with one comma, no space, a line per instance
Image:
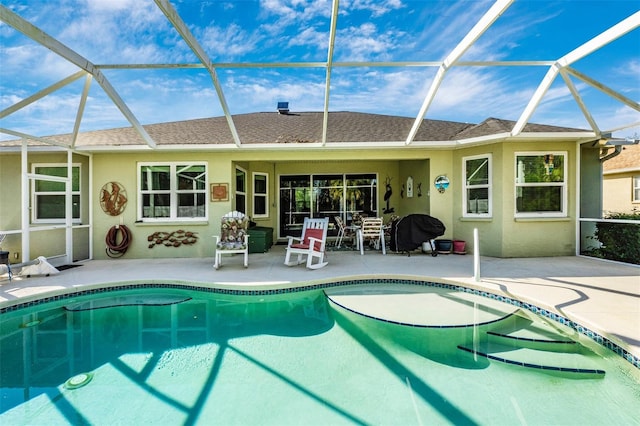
311,244
343,231
233,238
372,230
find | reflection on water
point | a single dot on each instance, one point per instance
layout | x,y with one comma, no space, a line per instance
45,347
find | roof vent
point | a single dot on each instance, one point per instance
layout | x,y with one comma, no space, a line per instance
283,107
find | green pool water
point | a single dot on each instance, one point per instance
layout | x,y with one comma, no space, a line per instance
189,357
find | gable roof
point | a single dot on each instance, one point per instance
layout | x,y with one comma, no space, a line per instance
296,128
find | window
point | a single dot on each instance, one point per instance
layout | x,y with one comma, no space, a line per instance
172,191
49,197
241,190
541,186
260,195
477,186
636,189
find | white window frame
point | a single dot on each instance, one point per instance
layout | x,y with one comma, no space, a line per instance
635,194
35,194
257,195
488,185
242,193
173,192
563,185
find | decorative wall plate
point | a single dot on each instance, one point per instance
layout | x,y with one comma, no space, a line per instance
113,198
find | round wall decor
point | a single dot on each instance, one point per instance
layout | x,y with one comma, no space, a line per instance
113,198
441,183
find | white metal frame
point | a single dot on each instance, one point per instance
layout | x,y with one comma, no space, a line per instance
561,66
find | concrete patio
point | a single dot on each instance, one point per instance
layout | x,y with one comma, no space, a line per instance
603,296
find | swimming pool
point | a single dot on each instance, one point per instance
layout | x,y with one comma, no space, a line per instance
174,355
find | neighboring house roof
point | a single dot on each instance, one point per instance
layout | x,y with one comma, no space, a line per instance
627,161
303,127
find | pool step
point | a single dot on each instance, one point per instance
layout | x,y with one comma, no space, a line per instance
523,333
567,364
533,341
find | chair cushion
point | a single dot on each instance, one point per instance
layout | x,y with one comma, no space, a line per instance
315,233
233,231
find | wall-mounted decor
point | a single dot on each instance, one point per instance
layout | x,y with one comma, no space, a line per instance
172,239
387,196
113,198
219,192
410,187
441,183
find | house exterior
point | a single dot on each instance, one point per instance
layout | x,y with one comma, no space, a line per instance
621,181
523,193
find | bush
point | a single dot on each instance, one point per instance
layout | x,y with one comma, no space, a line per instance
619,241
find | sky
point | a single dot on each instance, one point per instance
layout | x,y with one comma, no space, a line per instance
257,46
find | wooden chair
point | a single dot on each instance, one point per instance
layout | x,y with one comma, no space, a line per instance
311,244
372,230
233,238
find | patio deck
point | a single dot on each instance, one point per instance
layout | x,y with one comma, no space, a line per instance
603,296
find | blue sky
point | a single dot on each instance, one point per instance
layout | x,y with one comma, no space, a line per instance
237,33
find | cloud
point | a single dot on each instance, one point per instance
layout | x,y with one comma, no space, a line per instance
226,44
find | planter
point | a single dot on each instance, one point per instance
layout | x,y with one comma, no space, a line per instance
459,247
444,246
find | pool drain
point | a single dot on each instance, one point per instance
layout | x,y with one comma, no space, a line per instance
78,381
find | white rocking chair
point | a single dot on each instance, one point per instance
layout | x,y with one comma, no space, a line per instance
311,244
234,237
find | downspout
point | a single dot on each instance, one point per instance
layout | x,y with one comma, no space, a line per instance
617,150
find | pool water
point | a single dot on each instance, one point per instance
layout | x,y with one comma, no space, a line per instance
167,356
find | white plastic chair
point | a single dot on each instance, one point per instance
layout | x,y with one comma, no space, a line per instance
372,230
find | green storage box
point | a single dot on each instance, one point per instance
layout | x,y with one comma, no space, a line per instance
260,239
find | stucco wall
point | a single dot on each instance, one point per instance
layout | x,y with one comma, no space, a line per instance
617,193
501,235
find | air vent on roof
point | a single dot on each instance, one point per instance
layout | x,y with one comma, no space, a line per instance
283,107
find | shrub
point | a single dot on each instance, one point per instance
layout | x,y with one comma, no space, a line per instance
619,241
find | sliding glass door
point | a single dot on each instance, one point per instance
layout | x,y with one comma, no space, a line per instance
325,195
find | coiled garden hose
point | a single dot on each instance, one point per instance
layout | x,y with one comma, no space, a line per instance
115,248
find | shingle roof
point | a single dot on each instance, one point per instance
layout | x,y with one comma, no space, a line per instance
303,127
628,159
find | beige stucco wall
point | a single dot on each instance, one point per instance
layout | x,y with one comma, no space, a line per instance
617,193
503,235
500,235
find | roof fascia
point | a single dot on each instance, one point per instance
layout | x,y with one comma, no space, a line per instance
40,37
177,22
469,39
